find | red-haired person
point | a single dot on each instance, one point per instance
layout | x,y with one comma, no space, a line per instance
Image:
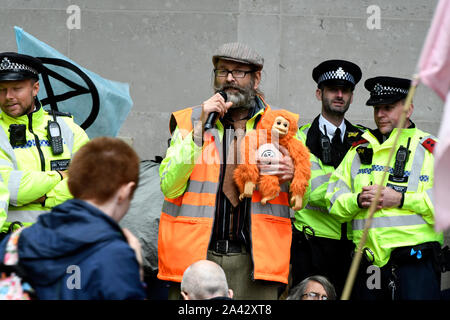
78,251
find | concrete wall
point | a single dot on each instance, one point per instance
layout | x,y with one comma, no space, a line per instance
163,49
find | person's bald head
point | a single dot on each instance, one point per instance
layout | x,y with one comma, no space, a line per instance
204,279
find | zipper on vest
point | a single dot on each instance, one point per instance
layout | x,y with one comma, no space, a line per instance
36,140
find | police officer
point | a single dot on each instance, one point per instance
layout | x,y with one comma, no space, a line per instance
35,145
320,244
401,243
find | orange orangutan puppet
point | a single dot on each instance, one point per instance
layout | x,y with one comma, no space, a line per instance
277,127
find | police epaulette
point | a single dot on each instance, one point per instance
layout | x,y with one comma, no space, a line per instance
429,144
59,113
357,143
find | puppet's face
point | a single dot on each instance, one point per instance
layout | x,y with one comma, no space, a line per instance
281,126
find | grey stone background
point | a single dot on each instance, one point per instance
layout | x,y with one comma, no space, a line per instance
163,49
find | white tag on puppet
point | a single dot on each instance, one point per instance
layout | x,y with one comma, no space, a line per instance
268,154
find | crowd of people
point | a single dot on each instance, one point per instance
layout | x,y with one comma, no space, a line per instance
216,241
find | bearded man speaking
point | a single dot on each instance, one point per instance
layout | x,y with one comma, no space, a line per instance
202,216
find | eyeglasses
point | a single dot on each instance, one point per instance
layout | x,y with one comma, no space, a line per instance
235,73
315,296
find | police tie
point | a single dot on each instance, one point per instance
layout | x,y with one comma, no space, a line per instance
337,138
336,147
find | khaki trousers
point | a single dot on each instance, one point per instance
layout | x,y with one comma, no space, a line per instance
238,269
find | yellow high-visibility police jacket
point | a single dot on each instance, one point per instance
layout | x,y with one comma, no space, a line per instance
29,170
410,225
314,216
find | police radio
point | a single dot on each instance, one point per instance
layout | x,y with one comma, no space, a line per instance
325,144
54,136
400,160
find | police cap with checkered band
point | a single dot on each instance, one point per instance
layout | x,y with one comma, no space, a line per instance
386,90
15,67
337,73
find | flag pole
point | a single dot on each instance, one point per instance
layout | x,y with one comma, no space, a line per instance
357,258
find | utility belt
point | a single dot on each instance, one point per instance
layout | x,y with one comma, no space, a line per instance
411,254
308,233
428,252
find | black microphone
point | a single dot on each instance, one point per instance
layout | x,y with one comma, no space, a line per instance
212,117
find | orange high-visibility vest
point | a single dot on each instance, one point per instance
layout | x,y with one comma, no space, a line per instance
186,223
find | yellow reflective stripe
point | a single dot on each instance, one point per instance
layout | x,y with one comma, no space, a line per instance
389,221
24,216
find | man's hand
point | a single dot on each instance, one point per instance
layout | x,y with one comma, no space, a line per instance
296,202
283,168
41,199
367,195
136,246
389,198
214,104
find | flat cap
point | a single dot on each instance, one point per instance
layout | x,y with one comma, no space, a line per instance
238,52
386,90
15,66
337,72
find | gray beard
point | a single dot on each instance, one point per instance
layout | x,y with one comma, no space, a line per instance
243,98
240,100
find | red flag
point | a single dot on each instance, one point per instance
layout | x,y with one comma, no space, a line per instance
434,63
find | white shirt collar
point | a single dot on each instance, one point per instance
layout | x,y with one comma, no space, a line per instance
331,128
